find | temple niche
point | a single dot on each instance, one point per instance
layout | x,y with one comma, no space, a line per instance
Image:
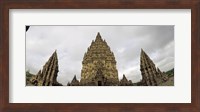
48,75
150,75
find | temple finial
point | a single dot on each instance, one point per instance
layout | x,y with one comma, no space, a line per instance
74,77
98,34
98,37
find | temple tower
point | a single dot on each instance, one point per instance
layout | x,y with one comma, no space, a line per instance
150,75
48,75
99,65
74,82
124,82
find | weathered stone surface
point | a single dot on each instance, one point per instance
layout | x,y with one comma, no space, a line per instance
99,65
48,75
150,75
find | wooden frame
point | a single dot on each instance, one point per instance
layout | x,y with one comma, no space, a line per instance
194,5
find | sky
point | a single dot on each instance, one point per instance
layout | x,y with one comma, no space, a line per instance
71,42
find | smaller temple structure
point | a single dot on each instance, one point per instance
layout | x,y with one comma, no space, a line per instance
74,82
124,82
48,75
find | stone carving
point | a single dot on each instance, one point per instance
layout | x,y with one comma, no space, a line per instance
150,75
48,75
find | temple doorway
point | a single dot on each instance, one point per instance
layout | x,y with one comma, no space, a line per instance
99,83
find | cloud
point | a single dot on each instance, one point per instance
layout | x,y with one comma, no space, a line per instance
72,42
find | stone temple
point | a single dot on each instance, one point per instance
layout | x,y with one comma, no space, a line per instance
99,65
48,75
99,69
150,75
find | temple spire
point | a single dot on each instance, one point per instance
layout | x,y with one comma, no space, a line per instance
74,77
98,34
98,37
124,77
143,54
151,76
49,73
99,61
55,55
74,82
124,81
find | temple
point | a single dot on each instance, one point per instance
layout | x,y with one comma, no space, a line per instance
124,82
48,75
99,69
150,75
74,82
99,65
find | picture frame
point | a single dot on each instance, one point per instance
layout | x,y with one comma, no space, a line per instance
5,106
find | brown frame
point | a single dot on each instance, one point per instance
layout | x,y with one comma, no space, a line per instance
5,106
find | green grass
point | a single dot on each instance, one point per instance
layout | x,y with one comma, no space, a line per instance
28,77
170,72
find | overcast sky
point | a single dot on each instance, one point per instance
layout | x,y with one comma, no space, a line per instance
71,42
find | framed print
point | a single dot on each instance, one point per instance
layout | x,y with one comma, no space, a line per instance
99,65
99,55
